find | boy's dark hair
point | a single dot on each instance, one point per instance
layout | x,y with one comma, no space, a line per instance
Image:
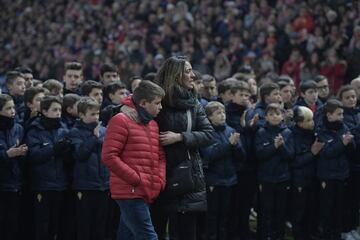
304,86
11,77
31,92
283,84
37,82
344,89
198,75
147,91
69,100
86,103
47,101
273,107
107,67
73,66
284,78
4,98
208,78
88,86
112,88
331,105
212,107
150,76
239,86
266,89
23,69
319,78
52,84
225,85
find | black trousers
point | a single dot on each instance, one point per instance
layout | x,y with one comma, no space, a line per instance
352,200
47,214
332,206
218,200
303,208
9,215
272,206
242,200
68,220
91,212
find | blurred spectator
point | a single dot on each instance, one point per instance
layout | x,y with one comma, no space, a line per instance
218,36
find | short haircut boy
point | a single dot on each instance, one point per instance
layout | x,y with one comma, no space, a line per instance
24,70
331,105
319,78
107,67
266,89
4,98
69,100
46,102
273,107
112,88
31,92
208,78
226,85
87,103
12,76
212,106
239,86
88,86
344,89
73,66
304,86
53,85
147,91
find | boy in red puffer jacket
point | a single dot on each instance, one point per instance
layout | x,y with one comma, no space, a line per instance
136,161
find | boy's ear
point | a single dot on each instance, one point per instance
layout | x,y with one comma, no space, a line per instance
142,103
81,115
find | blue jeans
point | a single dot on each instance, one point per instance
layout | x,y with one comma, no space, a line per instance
135,220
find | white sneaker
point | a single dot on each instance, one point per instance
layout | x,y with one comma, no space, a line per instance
355,235
347,236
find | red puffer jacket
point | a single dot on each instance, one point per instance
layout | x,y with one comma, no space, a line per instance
132,152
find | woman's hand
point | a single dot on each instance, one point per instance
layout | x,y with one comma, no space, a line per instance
168,137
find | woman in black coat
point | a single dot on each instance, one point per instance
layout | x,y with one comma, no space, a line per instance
177,79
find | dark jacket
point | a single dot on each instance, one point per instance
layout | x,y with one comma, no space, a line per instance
20,109
45,169
304,163
174,118
221,158
68,120
301,102
89,172
273,164
10,168
260,108
333,161
351,117
234,113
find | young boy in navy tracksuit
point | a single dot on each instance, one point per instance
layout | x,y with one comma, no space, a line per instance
347,96
90,176
221,160
15,83
307,147
274,150
11,154
48,179
244,192
333,167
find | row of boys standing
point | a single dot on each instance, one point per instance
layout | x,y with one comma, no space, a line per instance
281,156
45,154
